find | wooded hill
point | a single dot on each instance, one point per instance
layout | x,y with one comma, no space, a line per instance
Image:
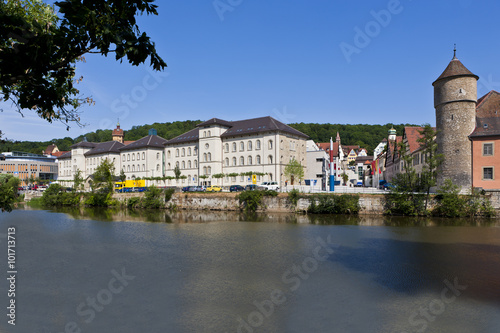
366,136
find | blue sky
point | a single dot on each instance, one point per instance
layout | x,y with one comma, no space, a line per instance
297,61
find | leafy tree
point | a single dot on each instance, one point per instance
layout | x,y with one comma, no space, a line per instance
122,176
39,49
104,176
294,170
8,191
77,180
177,172
432,160
345,178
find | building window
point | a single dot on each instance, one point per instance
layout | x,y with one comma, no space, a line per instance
183,152
270,159
168,154
133,157
234,161
204,134
168,166
123,158
177,152
209,155
195,163
205,170
487,149
234,146
176,164
143,167
138,156
257,145
242,160
249,160
183,165
226,162
226,147
249,145
128,168
488,173
270,144
189,164
189,151
144,156
209,170
209,134
242,178
133,168
257,159
242,146
204,157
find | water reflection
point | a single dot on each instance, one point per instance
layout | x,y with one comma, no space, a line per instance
165,216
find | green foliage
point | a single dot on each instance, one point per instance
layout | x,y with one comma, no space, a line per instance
39,49
8,191
100,199
294,196
134,202
169,192
177,172
294,171
451,204
429,146
250,201
152,198
56,196
405,203
104,177
122,176
334,204
78,180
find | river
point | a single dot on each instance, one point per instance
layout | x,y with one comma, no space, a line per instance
151,271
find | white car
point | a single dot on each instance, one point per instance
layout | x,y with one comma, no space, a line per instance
272,186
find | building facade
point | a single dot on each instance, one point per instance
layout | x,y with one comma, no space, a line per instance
28,166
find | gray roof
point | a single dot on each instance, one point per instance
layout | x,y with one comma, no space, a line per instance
215,121
65,155
190,136
109,147
257,125
486,127
150,141
84,144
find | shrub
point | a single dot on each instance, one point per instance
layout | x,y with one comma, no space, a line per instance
133,202
152,198
168,194
293,197
405,203
334,204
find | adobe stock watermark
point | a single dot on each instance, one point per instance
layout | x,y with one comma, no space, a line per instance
364,36
223,6
283,116
420,319
88,309
292,279
126,102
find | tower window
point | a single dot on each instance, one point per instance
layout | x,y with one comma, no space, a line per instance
451,117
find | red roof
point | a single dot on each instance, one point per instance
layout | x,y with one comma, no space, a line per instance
412,134
59,153
326,147
455,68
488,105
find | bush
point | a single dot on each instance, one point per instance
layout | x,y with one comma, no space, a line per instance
134,202
168,194
334,204
250,201
293,197
152,198
405,203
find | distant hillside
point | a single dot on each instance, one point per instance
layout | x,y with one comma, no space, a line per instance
366,136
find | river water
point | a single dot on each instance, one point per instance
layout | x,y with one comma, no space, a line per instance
120,271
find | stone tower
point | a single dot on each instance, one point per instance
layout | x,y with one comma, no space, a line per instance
117,134
455,99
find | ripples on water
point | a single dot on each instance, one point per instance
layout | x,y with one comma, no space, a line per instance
206,271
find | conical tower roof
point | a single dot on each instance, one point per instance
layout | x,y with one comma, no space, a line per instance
455,68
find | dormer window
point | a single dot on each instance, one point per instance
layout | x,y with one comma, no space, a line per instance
485,126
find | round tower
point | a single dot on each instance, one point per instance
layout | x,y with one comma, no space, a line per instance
455,99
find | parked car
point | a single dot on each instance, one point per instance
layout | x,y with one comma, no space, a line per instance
388,186
187,189
196,189
272,186
251,187
236,188
214,188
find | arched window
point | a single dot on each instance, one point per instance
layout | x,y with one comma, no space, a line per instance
144,156
205,170
133,168
270,159
144,167
157,167
138,167
271,177
157,156
133,157
242,160
189,151
209,171
189,164
234,146
177,152
242,146
257,159
234,161
204,157
195,178
128,168
138,156
249,145
208,133
168,154
209,155
226,162
270,144
123,158
226,147
195,163
257,145
183,165
195,151
168,166
177,164
204,134
183,152
249,160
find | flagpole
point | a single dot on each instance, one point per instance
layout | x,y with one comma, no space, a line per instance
332,177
